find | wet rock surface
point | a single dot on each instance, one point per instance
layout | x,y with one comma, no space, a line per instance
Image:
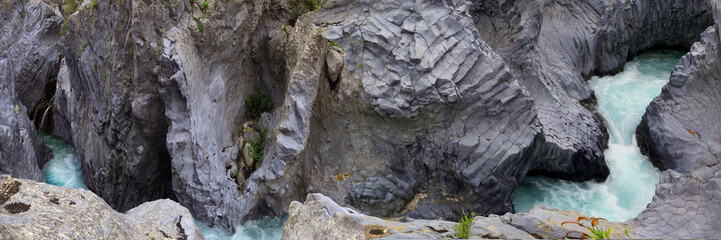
42,211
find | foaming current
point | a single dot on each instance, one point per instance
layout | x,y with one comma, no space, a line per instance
622,101
64,169
266,228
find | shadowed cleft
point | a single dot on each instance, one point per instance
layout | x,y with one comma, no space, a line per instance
181,230
15,208
55,200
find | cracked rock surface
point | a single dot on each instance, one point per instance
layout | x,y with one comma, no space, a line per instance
321,218
28,55
680,132
57,212
552,46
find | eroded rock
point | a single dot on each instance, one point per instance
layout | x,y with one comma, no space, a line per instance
321,218
44,211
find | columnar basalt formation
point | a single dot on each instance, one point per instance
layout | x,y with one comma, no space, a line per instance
680,132
396,108
553,45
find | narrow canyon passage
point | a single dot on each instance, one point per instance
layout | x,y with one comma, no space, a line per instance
63,169
622,100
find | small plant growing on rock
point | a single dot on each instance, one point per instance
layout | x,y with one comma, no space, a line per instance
596,232
16,109
257,104
463,228
257,146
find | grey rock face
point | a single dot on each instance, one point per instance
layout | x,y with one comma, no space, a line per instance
28,54
112,104
321,218
448,118
56,212
62,108
17,134
205,78
680,132
144,86
553,45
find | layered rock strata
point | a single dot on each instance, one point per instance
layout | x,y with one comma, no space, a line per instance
29,52
680,132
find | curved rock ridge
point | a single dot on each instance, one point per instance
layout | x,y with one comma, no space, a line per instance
681,133
464,132
51,212
321,218
29,52
552,46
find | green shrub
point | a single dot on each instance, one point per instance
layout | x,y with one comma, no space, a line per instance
257,104
301,7
463,228
257,146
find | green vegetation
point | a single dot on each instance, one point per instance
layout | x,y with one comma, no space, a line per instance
257,146
301,7
463,228
16,109
334,44
596,232
259,103
94,4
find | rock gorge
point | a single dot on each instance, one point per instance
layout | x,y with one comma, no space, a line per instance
407,110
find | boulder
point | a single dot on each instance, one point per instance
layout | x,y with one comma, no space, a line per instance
321,218
680,132
43,211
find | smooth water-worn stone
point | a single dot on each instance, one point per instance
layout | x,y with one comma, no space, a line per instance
54,212
321,218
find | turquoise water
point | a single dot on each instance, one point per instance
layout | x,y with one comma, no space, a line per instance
64,170
266,228
622,101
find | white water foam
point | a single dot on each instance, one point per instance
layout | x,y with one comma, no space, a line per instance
622,101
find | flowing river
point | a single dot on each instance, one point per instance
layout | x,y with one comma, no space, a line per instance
622,101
